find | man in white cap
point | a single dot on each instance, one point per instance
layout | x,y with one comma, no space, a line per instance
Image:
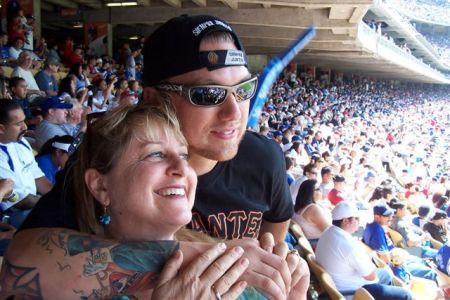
341,256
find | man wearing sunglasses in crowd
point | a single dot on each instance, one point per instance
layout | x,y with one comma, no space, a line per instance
199,65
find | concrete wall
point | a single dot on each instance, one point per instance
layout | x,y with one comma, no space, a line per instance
257,62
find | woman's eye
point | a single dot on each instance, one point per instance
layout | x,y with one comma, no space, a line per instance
184,156
156,155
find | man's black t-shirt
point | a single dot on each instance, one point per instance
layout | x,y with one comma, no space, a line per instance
233,198
230,202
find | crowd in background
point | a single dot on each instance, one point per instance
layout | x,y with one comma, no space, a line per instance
437,11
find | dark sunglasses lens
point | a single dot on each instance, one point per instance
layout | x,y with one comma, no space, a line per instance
206,96
246,90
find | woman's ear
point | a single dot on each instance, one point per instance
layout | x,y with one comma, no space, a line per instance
96,185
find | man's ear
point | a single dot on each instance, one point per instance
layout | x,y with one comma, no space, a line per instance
151,95
97,186
2,129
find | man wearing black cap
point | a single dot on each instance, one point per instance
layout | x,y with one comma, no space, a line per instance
198,63
241,192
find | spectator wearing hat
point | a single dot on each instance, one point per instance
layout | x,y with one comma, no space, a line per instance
46,79
22,70
277,137
417,242
53,155
437,227
348,264
336,194
54,110
375,236
422,218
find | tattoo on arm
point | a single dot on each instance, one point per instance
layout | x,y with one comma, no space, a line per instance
118,268
21,280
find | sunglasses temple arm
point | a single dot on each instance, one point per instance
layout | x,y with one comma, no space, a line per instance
272,71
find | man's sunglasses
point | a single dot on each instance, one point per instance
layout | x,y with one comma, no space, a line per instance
213,95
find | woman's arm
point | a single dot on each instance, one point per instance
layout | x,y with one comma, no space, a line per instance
317,216
40,261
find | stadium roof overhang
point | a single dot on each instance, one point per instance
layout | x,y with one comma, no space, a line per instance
266,27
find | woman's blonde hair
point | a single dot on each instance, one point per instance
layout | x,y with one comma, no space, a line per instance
106,140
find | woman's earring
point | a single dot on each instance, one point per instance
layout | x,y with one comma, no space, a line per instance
105,218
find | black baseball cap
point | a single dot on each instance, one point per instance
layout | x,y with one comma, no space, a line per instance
173,49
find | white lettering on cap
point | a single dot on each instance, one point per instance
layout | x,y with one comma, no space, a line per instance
235,57
202,26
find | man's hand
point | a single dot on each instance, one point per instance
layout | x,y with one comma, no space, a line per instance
267,272
7,231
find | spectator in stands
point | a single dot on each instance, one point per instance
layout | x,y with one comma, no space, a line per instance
53,155
102,94
16,48
67,88
130,63
42,50
17,163
417,242
18,87
53,52
310,150
28,25
4,49
422,218
437,226
76,119
309,172
348,264
312,217
22,70
45,78
289,166
326,185
54,110
336,194
76,56
376,237
77,70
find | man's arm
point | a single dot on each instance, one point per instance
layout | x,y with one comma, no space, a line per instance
278,230
46,262
43,186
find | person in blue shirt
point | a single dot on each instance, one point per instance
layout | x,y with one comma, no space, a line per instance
53,155
46,79
375,237
4,49
19,89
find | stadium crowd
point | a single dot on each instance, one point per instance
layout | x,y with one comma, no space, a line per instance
436,11
360,155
